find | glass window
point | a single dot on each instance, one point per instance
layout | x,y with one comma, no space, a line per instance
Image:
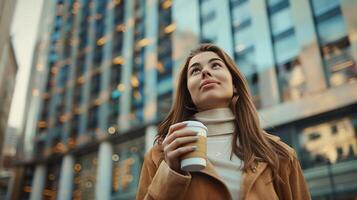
339,65
115,76
39,150
95,85
244,54
208,17
241,13
114,108
254,88
290,74
72,139
286,49
77,96
63,76
330,142
292,80
52,180
85,177
332,29
137,77
246,61
166,28
243,39
127,161
281,21
164,104
27,179
99,32
273,2
92,120
322,6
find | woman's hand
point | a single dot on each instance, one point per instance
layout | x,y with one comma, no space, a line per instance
174,142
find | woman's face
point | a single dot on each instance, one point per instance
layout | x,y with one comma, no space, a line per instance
209,81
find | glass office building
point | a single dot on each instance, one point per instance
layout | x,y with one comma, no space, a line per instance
110,69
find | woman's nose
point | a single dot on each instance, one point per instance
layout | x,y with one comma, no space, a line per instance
206,72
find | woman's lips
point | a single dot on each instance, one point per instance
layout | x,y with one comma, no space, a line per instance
208,85
207,82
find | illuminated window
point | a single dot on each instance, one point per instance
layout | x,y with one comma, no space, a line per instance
85,177
127,161
330,142
51,181
335,46
292,80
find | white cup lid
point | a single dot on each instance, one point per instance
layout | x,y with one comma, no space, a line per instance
197,124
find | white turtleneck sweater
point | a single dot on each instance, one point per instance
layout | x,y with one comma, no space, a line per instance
220,125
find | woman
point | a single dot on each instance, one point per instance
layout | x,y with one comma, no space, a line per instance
243,161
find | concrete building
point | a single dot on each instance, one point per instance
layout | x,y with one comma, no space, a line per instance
8,65
8,70
109,73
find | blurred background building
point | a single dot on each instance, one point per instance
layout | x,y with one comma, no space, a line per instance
103,77
8,69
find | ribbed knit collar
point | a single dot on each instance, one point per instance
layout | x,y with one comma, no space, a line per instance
219,121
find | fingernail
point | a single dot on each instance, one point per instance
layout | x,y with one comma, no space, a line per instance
194,147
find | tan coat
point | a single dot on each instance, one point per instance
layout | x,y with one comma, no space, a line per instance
159,182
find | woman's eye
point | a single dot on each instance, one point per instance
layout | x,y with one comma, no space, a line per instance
195,71
216,65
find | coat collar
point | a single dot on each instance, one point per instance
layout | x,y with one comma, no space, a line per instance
250,177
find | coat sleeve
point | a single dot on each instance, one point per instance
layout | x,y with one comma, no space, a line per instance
298,186
162,182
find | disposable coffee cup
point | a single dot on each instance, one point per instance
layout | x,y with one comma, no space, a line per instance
196,160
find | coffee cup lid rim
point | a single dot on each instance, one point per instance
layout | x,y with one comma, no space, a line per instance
196,123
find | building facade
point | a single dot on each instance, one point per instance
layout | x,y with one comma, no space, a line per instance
108,78
8,70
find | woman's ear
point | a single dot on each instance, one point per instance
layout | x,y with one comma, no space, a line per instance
234,91
234,101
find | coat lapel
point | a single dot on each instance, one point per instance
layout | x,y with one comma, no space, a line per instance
210,171
250,177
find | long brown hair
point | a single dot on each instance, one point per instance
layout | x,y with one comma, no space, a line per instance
254,144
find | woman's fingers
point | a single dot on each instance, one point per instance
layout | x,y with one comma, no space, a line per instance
180,133
180,142
180,151
176,126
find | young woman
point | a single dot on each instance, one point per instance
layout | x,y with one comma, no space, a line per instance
243,161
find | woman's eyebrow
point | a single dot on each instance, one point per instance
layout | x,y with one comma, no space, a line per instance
194,64
213,59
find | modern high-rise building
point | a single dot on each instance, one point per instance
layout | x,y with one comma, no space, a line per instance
107,78
8,71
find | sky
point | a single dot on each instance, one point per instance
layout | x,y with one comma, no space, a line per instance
23,31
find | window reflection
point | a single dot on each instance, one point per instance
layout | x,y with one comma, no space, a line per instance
292,80
85,172
335,46
244,50
339,63
164,104
331,142
52,179
28,175
127,160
